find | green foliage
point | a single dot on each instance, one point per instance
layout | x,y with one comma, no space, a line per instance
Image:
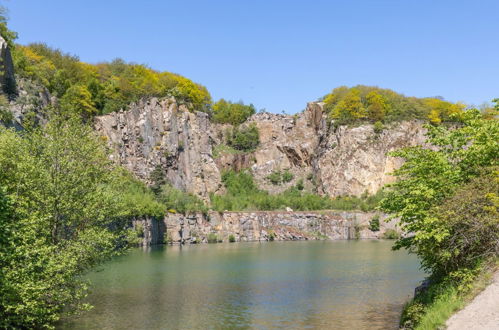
232,238
8,35
391,234
365,103
278,177
226,112
374,223
275,177
299,185
175,199
64,215
429,177
244,138
432,306
212,238
139,200
88,89
244,195
223,149
271,235
6,115
378,127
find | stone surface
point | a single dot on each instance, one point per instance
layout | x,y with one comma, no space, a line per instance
329,160
161,133
7,78
260,226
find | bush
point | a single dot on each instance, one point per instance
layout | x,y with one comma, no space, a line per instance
180,201
378,127
391,234
243,195
212,238
287,176
374,223
275,177
226,112
244,138
232,238
278,177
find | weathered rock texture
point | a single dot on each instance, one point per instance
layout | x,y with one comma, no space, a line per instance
329,160
160,133
259,226
7,79
353,160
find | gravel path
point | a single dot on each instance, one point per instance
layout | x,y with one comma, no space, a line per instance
482,313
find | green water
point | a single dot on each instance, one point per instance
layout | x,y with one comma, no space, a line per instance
292,285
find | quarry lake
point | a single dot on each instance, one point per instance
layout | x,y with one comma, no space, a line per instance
292,285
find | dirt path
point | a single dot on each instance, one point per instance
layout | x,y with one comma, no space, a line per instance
482,313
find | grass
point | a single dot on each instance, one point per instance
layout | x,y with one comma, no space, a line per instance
433,308
223,149
244,195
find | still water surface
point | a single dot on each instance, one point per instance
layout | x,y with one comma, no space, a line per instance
292,285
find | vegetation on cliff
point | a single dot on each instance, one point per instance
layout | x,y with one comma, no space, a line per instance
227,112
244,195
93,89
447,198
367,103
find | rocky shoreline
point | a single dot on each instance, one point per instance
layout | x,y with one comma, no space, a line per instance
259,226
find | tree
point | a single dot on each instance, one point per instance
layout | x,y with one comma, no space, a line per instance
78,100
244,138
349,108
65,218
377,106
430,176
226,112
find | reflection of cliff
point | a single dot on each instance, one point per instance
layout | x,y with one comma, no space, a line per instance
259,226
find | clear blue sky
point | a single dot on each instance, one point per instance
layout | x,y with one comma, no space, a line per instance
281,54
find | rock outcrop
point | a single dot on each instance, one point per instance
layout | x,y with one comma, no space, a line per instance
7,78
327,159
161,134
259,226
354,160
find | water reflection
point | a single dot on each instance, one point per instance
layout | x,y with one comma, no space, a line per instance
292,285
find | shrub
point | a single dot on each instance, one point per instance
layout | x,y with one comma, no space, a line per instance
232,238
299,185
378,127
180,201
374,223
278,177
391,234
275,177
244,138
226,112
287,176
212,238
243,194
271,235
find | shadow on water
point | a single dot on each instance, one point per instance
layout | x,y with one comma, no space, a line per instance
293,285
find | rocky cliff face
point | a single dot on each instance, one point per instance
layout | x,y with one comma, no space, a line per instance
162,134
259,226
351,161
329,160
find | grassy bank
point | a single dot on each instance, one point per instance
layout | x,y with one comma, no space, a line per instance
434,306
